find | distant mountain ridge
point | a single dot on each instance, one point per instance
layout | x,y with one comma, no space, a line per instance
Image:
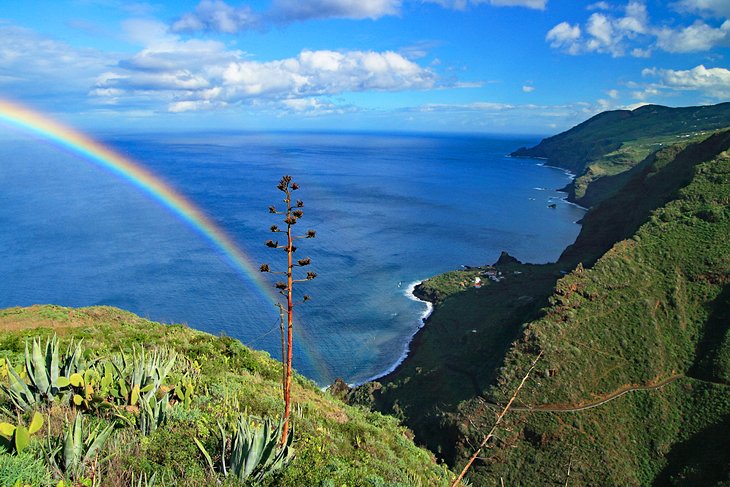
612,142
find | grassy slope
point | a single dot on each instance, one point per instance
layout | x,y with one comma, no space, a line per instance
645,311
600,149
335,443
654,306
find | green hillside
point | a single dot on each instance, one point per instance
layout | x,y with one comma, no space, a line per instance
652,308
610,143
645,328
334,444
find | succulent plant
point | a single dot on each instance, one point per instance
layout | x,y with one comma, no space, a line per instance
16,437
255,450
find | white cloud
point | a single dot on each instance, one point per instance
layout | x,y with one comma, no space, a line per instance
613,94
696,37
718,8
528,88
196,74
35,66
217,16
598,6
565,36
712,82
632,32
295,10
462,4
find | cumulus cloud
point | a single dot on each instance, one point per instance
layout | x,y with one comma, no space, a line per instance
196,74
462,4
696,37
296,10
528,88
217,16
712,82
633,34
565,36
603,32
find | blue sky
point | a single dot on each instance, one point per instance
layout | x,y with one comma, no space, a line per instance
496,66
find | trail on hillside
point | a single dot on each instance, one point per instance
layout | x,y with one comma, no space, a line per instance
571,408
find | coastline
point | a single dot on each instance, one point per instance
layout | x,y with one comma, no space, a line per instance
412,341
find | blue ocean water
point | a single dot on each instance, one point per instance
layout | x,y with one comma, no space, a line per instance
389,210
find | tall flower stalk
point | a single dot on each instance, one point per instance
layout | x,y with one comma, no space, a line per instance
291,214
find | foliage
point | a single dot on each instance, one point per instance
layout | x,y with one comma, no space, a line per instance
73,457
254,451
47,373
610,143
654,306
220,378
24,469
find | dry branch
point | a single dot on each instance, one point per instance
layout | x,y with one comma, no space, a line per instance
496,423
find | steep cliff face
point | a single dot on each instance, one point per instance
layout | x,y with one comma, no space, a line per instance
644,330
632,387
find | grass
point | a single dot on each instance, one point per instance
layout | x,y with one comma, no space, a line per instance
639,315
651,302
335,444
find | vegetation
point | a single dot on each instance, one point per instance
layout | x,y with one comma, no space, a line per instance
293,213
211,382
637,334
600,149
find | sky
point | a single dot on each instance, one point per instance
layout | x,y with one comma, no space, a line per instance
484,66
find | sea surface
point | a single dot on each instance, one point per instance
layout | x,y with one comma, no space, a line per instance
389,211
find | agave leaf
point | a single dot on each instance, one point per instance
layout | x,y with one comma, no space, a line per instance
19,392
52,360
39,376
223,448
98,443
36,423
73,446
7,430
205,454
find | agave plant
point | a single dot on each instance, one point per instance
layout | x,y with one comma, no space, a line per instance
153,413
47,372
255,449
144,373
78,449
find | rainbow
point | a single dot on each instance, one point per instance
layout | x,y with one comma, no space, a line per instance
74,141
141,178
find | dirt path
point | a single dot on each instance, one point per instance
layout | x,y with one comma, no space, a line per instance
572,408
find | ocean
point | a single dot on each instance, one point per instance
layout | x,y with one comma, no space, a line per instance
389,210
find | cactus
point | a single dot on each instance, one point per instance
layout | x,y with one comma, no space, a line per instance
48,375
144,374
255,450
16,437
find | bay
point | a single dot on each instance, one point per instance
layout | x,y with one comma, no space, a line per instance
389,210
